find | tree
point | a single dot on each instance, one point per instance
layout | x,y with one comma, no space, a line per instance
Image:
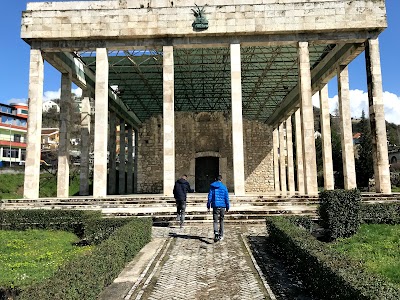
364,163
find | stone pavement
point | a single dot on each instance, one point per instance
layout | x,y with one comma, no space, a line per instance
187,264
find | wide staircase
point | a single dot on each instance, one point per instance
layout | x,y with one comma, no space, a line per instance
244,209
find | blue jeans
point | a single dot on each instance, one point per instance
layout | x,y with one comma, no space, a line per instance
218,215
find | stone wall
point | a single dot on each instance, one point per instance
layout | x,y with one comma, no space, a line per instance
126,19
202,134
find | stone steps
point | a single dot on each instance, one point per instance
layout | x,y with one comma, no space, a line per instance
244,209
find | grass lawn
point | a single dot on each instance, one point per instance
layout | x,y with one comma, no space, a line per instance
32,255
395,189
378,246
12,185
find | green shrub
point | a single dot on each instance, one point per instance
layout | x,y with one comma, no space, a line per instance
339,211
326,273
381,213
67,220
86,276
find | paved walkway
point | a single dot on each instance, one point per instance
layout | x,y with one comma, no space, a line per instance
187,264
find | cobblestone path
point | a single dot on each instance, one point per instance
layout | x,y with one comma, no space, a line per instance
192,266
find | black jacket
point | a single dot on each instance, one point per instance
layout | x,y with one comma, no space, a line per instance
181,188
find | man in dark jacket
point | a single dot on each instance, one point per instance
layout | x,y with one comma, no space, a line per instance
181,188
218,199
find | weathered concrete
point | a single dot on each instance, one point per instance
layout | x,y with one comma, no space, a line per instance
63,146
282,159
289,154
377,117
85,144
276,160
349,170
307,118
326,138
299,153
129,164
237,120
168,121
143,19
122,154
101,127
33,147
112,149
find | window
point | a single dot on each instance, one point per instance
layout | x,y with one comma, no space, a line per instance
24,111
17,138
14,152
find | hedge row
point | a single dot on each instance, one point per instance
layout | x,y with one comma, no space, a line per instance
86,276
326,273
381,213
66,220
339,211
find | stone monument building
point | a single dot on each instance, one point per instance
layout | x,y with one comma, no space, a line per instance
206,88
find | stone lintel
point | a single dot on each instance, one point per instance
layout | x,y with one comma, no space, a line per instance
290,38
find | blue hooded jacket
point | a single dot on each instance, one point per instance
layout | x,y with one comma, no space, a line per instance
218,195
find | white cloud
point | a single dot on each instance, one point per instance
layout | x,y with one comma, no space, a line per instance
47,96
50,95
16,100
359,102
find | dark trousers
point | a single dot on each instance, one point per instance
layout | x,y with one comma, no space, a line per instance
218,216
180,210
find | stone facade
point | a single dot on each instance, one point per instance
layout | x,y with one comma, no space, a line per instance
205,134
143,19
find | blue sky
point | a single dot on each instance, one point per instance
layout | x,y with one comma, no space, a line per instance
14,58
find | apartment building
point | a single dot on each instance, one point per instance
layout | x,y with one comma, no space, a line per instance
13,128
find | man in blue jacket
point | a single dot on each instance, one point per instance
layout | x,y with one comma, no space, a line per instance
218,199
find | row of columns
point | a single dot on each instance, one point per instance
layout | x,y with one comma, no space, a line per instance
102,142
304,136
283,148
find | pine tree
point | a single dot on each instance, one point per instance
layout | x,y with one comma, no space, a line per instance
364,163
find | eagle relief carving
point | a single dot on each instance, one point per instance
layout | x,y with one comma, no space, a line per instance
200,23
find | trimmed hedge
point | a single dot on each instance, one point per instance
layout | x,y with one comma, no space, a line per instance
86,276
326,273
381,213
66,220
118,240
339,211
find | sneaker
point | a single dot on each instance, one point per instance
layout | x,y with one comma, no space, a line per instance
216,238
221,238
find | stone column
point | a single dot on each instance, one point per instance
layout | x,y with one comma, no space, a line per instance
33,147
101,126
289,155
168,120
282,159
377,117
276,160
63,146
237,120
326,138
349,171
122,146
129,166
307,117
135,162
112,156
85,145
299,153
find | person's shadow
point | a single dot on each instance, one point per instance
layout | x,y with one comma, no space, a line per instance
190,237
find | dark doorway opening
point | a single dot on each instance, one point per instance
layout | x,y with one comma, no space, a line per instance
207,169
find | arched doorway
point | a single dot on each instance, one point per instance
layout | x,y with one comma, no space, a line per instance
207,169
